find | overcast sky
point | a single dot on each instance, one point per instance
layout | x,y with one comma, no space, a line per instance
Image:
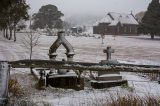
99,7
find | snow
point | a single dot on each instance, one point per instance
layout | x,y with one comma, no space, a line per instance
106,81
108,75
117,17
114,23
105,19
64,75
128,49
142,85
124,18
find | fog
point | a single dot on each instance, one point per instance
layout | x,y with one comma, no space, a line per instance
81,11
71,7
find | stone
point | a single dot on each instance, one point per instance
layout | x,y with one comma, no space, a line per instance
106,84
105,78
109,77
62,71
106,72
105,62
61,41
53,56
69,80
108,52
63,78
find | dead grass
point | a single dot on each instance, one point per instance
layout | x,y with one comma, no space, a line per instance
132,100
14,87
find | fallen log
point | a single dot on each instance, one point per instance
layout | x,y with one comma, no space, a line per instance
83,66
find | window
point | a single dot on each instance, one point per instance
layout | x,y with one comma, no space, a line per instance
125,29
130,29
118,29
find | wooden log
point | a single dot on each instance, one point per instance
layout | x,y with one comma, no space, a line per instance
78,63
84,66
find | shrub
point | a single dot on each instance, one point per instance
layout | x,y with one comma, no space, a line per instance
14,87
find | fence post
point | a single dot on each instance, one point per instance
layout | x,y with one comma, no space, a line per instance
4,78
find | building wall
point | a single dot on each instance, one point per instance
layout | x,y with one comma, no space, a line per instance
129,29
126,29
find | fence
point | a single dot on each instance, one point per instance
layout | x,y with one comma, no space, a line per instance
4,78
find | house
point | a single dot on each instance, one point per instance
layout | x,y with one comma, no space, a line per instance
116,24
77,29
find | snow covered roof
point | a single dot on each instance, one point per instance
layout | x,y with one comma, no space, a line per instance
114,18
113,23
123,18
105,19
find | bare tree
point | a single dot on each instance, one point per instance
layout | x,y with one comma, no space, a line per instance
102,36
30,41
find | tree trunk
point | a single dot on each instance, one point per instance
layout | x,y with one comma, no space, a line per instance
10,37
102,36
4,35
14,34
7,33
102,41
30,57
152,36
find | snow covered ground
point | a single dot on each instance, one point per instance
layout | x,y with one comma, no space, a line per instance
128,49
134,49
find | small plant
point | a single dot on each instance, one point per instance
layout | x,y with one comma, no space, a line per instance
131,89
124,86
21,102
14,87
132,100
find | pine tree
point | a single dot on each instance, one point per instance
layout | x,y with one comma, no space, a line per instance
151,21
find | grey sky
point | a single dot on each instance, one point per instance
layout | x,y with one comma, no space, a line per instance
72,7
